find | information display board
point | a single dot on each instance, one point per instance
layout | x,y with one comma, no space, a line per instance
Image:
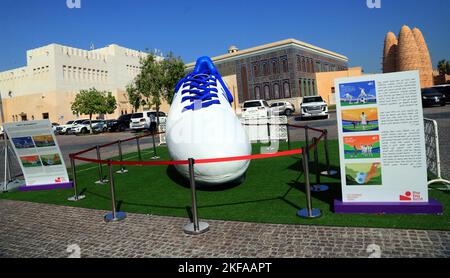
381,138
39,156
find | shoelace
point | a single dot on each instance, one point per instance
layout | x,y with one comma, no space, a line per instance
199,90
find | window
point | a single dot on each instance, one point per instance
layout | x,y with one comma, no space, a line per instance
45,116
303,64
266,92
285,65
244,81
257,93
265,68
255,70
318,66
276,91
275,67
299,63
286,89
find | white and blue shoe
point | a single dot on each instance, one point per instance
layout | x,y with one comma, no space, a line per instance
202,124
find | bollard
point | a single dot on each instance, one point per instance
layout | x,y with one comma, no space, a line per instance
122,168
308,212
75,197
289,136
114,215
196,227
318,187
100,168
155,155
138,148
329,171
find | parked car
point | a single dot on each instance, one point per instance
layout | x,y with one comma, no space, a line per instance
255,109
55,128
146,120
282,108
313,106
85,127
445,90
431,97
121,124
67,128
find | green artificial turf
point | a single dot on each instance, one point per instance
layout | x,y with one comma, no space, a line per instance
272,192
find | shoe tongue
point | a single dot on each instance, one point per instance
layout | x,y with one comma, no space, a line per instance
204,65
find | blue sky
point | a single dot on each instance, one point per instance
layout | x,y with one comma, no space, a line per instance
195,28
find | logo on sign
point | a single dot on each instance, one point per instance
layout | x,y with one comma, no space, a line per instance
410,196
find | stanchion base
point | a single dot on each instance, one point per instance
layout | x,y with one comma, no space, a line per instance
155,157
102,182
76,198
329,173
319,188
203,227
315,213
120,215
11,186
122,171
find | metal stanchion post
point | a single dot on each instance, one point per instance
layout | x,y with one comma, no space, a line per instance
329,171
307,140
195,227
288,136
75,197
139,148
309,211
100,168
155,155
318,187
114,215
122,168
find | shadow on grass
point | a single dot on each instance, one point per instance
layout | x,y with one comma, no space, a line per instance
176,177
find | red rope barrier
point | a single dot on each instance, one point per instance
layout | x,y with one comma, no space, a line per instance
197,161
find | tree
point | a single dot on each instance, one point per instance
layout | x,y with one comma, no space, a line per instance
444,67
156,82
92,101
173,71
134,97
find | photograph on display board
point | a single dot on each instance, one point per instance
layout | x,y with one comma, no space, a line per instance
358,93
51,160
23,142
30,161
360,147
363,174
42,141
360,120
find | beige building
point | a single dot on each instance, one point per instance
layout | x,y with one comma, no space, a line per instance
54,74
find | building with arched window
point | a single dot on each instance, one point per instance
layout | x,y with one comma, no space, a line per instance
283,70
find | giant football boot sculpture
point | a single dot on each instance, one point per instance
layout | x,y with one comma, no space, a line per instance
202,124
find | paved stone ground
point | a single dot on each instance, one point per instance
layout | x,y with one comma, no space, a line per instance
39,230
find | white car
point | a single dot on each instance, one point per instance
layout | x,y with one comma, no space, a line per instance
85,127
313,106
67,128
144,120
255,109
